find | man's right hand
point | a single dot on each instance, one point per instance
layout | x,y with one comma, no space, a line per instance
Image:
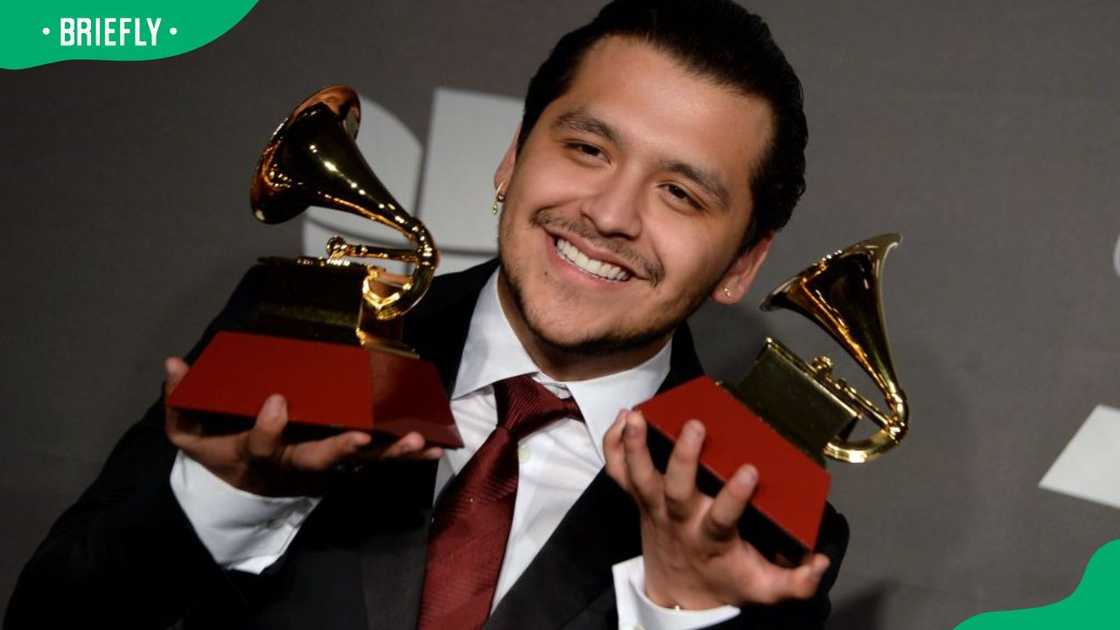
260,461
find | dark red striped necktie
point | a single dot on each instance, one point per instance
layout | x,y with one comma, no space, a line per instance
470,528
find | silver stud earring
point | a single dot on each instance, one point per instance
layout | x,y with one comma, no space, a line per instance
499,199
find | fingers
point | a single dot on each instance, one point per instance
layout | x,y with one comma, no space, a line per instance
412,446
722,518
255,460
411,443
773,584
264,440
693,533
680,474
321,455
645,481
428,454
628,462
614,452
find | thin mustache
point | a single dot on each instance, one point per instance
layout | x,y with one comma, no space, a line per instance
651,271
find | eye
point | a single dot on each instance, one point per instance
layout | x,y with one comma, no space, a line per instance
682,195
584,150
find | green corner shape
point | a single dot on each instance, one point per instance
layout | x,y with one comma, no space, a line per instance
38,32
1093,604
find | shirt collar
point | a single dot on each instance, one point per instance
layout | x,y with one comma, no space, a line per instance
493,352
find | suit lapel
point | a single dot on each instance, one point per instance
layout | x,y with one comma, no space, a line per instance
394,550
394,542
574,566
573,569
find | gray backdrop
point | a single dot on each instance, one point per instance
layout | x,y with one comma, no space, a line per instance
985,132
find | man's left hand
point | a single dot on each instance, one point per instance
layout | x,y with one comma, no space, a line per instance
693,555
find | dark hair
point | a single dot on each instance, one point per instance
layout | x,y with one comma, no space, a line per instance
716,39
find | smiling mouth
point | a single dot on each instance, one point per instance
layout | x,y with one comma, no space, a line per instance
592,267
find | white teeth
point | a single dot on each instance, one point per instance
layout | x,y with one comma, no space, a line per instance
594,267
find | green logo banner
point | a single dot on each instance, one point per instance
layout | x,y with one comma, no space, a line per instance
37,32
1093,604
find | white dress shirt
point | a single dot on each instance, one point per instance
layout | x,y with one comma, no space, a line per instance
557,463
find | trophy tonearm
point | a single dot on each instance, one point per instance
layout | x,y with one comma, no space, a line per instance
312,159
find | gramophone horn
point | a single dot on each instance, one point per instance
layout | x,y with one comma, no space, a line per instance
312,159
841,294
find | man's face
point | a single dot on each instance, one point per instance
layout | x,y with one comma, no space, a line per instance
627,203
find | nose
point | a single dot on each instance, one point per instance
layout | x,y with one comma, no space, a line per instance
616,209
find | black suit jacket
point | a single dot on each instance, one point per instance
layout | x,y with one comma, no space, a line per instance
125,554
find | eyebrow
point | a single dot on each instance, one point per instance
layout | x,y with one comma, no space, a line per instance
579,120
702,178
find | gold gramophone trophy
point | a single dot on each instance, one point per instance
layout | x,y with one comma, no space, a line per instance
787,415
325,332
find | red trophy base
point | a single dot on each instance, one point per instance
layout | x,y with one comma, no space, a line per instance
327,385
792,488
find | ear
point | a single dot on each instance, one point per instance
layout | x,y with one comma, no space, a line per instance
739,276
509,160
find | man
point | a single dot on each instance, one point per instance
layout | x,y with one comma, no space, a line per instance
660,149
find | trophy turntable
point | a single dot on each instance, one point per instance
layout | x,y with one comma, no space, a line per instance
787,415
326,332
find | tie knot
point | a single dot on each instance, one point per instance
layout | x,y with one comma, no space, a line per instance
525,406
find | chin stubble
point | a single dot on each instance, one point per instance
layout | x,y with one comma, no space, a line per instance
613,342
610,343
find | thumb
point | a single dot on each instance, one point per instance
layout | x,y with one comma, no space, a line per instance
174,370
179,428
264,439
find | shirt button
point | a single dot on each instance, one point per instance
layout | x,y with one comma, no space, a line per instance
523,454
